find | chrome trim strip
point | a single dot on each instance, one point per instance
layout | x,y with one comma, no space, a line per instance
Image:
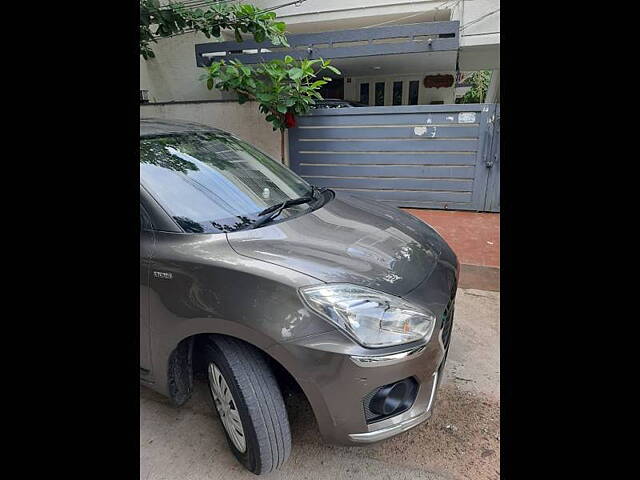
433,389
403,426
384,360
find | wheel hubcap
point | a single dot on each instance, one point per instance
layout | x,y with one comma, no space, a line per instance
227,407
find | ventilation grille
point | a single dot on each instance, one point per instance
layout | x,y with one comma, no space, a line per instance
447,320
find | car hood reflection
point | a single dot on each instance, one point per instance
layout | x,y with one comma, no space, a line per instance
348,240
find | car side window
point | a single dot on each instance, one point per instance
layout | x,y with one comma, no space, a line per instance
145,220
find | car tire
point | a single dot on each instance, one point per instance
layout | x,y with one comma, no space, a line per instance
263,442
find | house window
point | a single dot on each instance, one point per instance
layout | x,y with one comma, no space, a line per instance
379,94
397,93
364,93
413,92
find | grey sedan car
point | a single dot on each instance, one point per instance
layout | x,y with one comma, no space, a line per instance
262,282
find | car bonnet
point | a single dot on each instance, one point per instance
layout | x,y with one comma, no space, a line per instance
349,240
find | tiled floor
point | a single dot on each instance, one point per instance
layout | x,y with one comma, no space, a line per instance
475,237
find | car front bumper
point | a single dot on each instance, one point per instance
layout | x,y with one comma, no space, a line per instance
337,375
336,386
417,414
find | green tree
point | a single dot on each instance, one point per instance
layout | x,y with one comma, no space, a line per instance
479,85
176,19
283,88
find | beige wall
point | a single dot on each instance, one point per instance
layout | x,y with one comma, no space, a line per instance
244,121
476,30
172,75
326,15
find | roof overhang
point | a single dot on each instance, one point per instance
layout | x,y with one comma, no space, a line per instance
401,64
361,43
480,57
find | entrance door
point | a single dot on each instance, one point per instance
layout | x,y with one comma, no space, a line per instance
333,89
147,241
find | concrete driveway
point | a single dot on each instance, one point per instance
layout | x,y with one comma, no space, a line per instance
462,439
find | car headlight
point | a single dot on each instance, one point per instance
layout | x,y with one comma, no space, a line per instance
374,319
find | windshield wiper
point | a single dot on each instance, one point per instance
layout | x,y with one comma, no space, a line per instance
273,211
319,191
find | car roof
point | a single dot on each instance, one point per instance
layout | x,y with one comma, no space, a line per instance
159,126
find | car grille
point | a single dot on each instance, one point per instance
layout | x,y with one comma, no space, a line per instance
447,320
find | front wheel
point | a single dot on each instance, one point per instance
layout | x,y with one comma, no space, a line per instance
249,404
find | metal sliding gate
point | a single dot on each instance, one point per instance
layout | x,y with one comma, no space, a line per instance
424,156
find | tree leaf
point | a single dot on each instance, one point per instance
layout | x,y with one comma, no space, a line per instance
264,97
295,73
259,36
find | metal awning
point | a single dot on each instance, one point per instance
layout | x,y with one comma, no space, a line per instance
363,42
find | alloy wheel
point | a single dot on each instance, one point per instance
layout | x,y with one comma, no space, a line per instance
227,407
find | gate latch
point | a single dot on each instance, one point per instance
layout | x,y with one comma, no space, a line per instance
493,157
488,158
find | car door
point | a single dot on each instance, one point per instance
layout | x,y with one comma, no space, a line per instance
147,241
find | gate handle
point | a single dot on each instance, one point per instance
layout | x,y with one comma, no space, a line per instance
488,161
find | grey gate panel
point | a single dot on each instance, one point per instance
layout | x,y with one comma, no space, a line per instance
424,156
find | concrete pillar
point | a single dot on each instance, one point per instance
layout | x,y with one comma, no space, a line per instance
493,92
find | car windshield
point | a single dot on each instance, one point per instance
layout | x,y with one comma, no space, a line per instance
211,182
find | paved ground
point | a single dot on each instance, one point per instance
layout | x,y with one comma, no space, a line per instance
475,237
461,441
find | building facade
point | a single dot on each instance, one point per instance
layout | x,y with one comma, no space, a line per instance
398,79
